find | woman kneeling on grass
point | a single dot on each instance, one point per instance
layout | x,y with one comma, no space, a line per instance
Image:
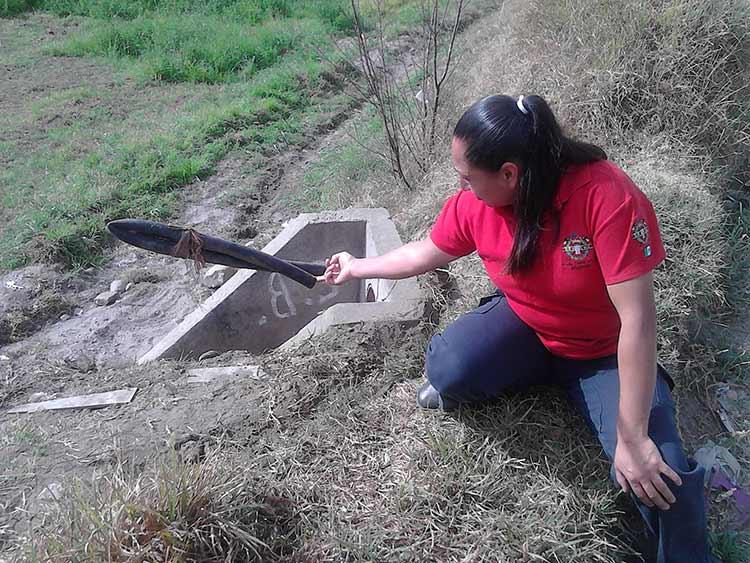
571,243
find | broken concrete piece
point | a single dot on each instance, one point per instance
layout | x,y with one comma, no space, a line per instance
206,375
117,287
217,275
106,298
92,401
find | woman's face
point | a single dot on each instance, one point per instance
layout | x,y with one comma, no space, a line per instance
496,189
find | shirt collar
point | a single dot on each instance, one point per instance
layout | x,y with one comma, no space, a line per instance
576,176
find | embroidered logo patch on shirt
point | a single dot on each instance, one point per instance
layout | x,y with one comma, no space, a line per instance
640,231
577,247
640,234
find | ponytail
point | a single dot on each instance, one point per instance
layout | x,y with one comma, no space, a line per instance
496,130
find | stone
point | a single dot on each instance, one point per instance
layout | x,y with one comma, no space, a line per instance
82,363
51,492
216,276
105,298
40,396
117,287
208,355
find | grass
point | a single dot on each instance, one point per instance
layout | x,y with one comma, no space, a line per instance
196,48
732,546
172,512
247,12
257,79
133,171
337,177
675,67
340,465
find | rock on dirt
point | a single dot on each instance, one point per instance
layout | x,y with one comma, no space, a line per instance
117,287
216,276
81,363
106,298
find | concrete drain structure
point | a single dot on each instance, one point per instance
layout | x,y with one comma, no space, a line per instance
258,311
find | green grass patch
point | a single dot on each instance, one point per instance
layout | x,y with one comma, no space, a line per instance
342,170
195,48
260,81
333,12
732,547
138,176
13,7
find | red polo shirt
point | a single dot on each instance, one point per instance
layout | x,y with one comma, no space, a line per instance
608,234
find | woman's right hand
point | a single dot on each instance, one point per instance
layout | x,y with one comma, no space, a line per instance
338,269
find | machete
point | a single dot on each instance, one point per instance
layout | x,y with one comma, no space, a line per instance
187,243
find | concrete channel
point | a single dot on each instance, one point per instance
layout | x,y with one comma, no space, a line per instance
258,311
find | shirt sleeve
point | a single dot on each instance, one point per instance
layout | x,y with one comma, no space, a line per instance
626,235
452,231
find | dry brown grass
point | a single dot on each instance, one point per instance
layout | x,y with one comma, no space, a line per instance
679,68
378,479
172,511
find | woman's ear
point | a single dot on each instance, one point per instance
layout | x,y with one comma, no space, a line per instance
510,172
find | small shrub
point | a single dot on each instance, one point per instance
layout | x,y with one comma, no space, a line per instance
174,511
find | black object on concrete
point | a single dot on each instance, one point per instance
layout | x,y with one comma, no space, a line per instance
187,243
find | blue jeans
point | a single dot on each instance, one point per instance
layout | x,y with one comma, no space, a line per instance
490,351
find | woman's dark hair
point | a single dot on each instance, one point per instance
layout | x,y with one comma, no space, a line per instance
500,129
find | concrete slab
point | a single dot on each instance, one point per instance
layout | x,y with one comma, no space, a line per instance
207,375
257,311
93,401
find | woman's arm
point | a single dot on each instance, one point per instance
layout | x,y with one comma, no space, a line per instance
638,463
406,261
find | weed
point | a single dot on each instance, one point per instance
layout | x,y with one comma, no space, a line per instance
173,511
732,547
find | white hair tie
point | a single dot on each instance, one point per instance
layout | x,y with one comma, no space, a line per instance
520,105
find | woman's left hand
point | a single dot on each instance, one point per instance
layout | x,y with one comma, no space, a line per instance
639,467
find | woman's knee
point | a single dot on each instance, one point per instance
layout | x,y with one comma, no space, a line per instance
448,367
